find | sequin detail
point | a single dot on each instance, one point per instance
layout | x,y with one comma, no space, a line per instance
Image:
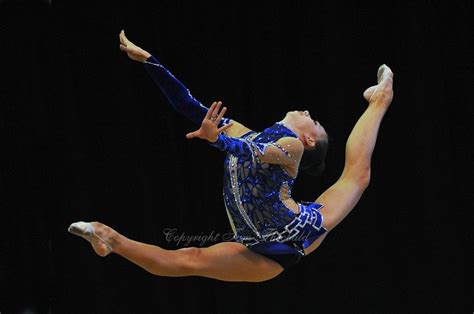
252,194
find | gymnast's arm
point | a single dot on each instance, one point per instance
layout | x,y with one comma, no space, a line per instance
287,151
177,94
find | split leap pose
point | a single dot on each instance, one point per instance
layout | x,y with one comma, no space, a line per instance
271,230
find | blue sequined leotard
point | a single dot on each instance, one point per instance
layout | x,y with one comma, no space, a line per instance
257,185
255,193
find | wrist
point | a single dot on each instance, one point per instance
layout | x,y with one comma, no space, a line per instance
145,56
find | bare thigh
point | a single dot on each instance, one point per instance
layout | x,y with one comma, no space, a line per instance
337,203
231,261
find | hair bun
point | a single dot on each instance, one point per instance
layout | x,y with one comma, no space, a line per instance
313,160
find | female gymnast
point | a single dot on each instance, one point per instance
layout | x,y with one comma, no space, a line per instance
271,230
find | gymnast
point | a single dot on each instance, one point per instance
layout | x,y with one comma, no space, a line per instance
272,232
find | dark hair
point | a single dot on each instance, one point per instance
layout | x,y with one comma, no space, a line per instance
313,159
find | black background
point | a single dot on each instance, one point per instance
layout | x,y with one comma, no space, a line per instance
86,135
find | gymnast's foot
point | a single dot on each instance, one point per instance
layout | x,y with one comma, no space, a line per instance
102,238
383,89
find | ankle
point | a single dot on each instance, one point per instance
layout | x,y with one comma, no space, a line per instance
117,242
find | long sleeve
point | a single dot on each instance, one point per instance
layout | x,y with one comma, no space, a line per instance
285,151
178,95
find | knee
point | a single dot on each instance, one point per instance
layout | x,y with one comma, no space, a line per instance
359,177
189,260
364,179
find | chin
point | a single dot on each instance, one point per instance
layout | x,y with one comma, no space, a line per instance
292,113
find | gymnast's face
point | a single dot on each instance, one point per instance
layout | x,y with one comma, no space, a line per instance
309,131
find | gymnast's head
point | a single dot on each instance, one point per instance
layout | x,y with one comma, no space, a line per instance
314,138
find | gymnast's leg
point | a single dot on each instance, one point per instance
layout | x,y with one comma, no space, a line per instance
226,261
341,197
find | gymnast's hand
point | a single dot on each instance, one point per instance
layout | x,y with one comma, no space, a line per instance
209,128
133,51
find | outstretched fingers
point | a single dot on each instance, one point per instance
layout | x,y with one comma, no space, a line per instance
219,118
211,110
213,113
221,115
225,127
209,127
192,135
215,110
